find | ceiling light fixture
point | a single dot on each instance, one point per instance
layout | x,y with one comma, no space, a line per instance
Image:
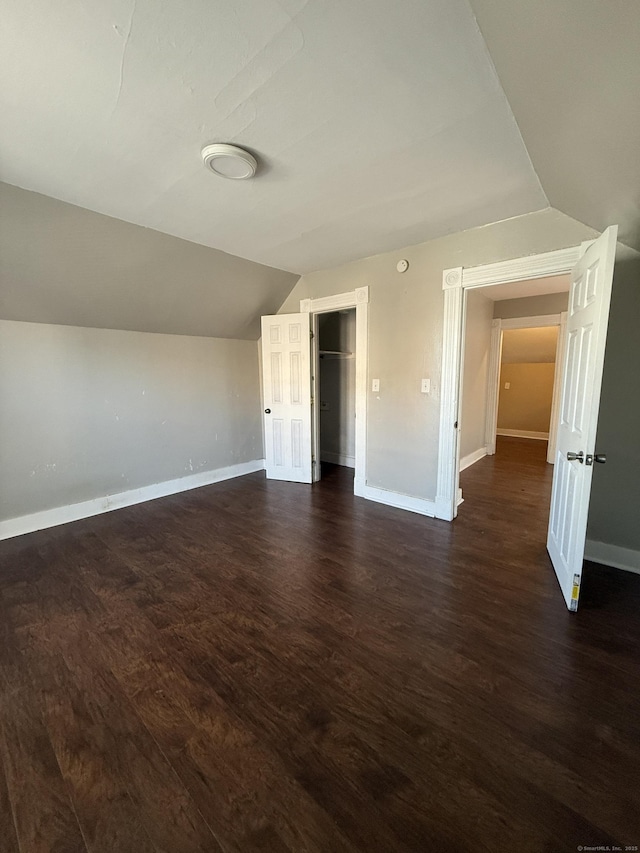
229,161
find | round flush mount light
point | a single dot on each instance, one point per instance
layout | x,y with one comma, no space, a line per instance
229,161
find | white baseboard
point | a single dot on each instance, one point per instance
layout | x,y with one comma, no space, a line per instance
85,509
338,459
442,508
472,458
383,496
612,555
524,433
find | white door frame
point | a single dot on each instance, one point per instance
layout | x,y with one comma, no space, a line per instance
498,327
454,283
358,299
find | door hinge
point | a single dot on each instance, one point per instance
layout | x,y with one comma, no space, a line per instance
312,401
311,335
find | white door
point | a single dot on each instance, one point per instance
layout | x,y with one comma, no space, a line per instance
286,371
586,333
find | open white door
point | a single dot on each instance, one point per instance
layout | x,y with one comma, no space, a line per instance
586,334
286,370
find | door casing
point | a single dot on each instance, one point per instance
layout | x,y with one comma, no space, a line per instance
358,299
454,283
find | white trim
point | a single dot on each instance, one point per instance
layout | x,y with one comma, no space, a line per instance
524,433
358,299
520,269
558,376
454,282
86,509
612,555
315,393
336,302
493,385
472,458
362,372
383,496
338,459
446,493
531,322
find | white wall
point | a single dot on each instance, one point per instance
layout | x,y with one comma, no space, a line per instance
92,412
405,335
477,347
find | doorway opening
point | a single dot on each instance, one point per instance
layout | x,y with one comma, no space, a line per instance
510,387
509,384
352,338
336,388
591,269
527,376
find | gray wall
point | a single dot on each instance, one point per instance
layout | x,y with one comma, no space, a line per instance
614,511
526,404
477,346
91,412
337,331
405,334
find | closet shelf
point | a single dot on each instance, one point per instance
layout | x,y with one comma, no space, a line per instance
329,353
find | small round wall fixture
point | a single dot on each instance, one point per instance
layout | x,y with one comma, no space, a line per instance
229,161
402,266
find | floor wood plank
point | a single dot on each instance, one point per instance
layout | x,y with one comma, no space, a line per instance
263,666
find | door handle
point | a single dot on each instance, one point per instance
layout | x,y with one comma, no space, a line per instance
576,457
267,411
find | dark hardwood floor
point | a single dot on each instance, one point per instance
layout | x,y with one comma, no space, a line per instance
265,666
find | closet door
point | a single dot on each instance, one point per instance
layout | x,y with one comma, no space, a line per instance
286,370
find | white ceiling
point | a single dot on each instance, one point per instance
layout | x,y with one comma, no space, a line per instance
376,124
528,346
531,287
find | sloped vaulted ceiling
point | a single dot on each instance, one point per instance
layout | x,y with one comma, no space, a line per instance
64,265
571,72
376,125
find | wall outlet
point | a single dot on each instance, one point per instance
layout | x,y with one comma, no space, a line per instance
507,385
375,385
425,386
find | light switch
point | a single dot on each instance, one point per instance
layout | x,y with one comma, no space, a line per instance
375,384
425,387
507,385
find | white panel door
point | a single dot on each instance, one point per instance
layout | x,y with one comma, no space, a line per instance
586,332
286,371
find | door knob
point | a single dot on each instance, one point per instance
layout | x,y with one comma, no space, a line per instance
576,457
267,411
